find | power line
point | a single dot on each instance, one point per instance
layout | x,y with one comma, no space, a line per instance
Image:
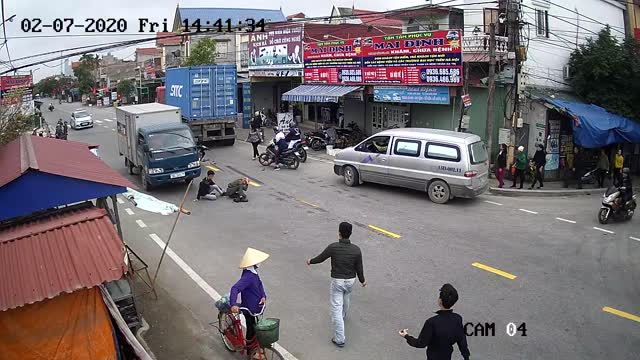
568,22
577,13
4,31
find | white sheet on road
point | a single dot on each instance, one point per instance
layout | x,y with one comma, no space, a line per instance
150,203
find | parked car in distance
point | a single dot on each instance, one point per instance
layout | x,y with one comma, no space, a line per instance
80,119
445,164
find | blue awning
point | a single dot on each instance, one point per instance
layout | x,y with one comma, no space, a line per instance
318,93
595,127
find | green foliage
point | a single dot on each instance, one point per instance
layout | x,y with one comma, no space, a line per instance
54,85
203,53
85,72
607,73
13,123
125,87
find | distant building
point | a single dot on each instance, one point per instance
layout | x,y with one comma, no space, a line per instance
345,15
171,47
298,16
144,54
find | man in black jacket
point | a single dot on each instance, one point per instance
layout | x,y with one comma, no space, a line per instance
346,263
440,332
207,189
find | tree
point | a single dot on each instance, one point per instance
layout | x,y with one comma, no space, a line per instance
13,123
203,53
606,72
85,72
125,87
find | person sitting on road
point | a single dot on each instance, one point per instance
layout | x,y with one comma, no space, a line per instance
252,293
236,189
208,188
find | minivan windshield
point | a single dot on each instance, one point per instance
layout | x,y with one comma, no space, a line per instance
171,140
478,152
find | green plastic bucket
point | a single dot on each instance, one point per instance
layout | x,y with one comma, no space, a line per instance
268,331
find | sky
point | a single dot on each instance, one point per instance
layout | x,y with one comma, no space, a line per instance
23,45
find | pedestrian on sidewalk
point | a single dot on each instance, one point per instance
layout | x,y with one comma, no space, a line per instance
346,264
501,165
603,167
618,164
539,161
236,189
440,332
579,166
251,290
208,188
255,136
520,165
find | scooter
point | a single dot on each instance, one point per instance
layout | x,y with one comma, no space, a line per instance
613,208
289,158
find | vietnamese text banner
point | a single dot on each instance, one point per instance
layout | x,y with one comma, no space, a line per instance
426,58
280,48
412,94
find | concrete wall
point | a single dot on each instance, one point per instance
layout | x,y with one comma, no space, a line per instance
535,114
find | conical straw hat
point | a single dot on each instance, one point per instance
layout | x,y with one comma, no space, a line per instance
252,257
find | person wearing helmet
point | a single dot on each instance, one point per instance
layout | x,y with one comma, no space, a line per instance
281,144
627,186
520,165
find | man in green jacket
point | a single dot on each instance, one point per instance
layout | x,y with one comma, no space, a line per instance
521,166
236,189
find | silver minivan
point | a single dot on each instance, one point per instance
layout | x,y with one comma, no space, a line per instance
444,163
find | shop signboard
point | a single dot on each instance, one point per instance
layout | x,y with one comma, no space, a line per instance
412,94
553,145
426,58
17,89
276,73
246,106
280,48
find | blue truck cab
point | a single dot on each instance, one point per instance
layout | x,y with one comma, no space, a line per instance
156,144
168,154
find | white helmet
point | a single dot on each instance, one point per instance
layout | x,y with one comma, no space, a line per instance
257,113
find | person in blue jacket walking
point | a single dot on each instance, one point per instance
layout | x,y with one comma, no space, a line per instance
251,289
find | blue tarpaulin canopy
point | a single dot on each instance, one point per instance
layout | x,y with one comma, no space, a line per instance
595,127
318,93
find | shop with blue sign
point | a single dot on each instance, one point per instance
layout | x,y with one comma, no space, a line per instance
438,95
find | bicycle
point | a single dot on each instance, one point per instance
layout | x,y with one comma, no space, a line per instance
233,338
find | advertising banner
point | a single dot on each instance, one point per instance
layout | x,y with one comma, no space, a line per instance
280,48
426,58
17,89
246,106
412,94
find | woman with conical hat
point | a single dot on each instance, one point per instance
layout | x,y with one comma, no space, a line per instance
251,289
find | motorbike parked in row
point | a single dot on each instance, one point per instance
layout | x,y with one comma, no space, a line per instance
289,158
613,206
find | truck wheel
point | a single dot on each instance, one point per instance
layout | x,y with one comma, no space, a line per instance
143,180
439,192
228,142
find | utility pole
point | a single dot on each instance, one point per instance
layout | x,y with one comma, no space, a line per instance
492,86
465,90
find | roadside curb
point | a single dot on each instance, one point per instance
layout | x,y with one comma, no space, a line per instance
140,333
544,193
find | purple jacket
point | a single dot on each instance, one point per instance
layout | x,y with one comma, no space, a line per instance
250,286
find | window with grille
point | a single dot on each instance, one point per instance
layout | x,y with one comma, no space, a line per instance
542,23
490,16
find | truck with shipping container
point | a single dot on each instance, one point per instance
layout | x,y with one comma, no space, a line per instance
156,144
208,98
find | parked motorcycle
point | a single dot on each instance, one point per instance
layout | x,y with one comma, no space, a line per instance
318,140
613,208
590,176
290,158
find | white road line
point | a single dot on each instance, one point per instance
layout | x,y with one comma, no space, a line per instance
120,201
204,286
98,121
105,126
493,202
141,224
129,211
109,120
113,129
528,211
634,238
603,230
565,220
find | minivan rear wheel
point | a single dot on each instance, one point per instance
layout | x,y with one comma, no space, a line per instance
351,176
439,192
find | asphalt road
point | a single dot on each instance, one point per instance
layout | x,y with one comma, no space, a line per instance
561,269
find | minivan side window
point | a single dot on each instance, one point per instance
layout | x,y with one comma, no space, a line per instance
478,152
442,152
407,147
376,145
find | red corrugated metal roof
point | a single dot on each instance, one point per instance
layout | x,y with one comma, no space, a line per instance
148,51
297,16
316,32
375,18
162,39
59,157
64,252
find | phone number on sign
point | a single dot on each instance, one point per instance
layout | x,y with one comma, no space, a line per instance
144,25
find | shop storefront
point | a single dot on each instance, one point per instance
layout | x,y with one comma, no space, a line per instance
275,67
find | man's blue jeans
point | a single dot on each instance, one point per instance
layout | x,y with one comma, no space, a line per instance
340,302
